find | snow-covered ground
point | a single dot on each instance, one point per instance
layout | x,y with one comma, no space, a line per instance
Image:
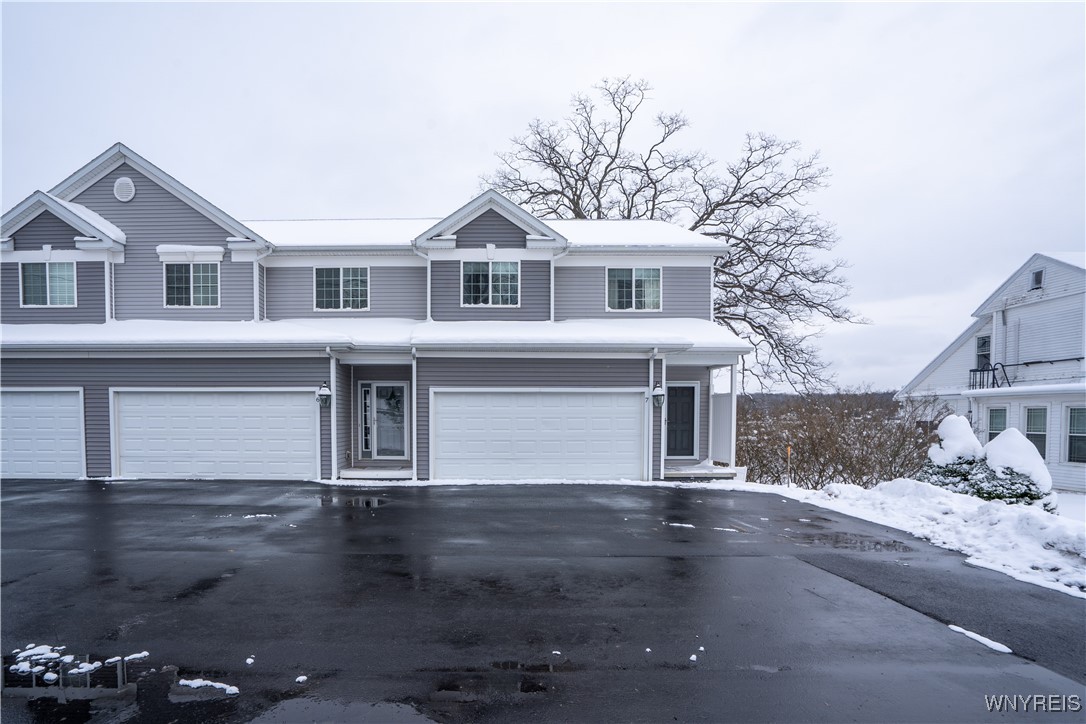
1024,542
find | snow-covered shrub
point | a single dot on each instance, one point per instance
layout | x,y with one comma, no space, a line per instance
953,461
1008,468
1018,472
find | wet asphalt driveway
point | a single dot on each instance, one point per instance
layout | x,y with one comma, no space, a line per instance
522,603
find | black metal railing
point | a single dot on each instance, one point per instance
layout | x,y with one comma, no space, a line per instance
993,376
988,377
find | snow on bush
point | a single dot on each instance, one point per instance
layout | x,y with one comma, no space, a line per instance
1008,468
1022,541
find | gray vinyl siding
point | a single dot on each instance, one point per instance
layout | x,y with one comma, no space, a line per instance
581,291
373,373
96,376
155,216
481,372
394,291
700,375
535,291
90,297
490,228
343,413
45,229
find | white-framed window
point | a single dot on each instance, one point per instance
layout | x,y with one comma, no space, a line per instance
1037,279
490,283
341,288
633,289
984,351
191,285
1037,428
47,284
1076,435
997,421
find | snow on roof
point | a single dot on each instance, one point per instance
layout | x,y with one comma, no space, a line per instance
1074,258
98,222
321,232
605,233
684,334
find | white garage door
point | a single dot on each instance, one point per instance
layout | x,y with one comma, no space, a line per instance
516,435
41,434
226,435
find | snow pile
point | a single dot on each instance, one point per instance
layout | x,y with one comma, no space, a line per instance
202,683
1021,541
1008,468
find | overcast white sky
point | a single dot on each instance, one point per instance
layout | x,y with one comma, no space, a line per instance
956,133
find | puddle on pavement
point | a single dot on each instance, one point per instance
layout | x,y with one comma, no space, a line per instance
852,542
312,709
557,668
357,501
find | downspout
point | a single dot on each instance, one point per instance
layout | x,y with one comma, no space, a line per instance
554,258
647,466
257,316
415,413
429,317
333,382
109,288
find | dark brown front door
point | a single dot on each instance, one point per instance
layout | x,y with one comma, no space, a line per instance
680,421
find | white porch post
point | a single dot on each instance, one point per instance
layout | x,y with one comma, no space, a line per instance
734,400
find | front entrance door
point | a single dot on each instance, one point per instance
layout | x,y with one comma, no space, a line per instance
681,408
388,401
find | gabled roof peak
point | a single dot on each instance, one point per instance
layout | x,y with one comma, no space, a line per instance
491,200
75,215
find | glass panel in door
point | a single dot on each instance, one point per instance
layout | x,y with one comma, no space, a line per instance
390,429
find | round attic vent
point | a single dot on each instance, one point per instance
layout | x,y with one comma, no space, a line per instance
124,189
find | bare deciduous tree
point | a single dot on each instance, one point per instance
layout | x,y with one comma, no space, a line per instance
774,289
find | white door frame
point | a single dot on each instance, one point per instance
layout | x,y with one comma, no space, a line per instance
373,418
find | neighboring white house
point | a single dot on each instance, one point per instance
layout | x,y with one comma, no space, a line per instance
1020,364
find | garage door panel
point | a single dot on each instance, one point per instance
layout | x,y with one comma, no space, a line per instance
510,434
236,434
41,434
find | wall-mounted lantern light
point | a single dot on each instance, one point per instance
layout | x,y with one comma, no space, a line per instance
324,395
658,396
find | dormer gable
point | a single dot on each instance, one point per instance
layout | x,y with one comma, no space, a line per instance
490,219
92,231
1043,276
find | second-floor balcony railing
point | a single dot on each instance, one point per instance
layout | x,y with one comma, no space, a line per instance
993,376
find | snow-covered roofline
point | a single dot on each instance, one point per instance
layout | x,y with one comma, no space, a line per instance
383,334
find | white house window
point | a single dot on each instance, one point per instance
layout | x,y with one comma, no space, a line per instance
490,283
637,289
48,284
984,352
997,421
1076,435
1037,279
1037,427
345,288
192,285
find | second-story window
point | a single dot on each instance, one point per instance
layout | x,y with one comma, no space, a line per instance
48,284
984,352
490,283
341,288
633,289
192,285
1037,279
